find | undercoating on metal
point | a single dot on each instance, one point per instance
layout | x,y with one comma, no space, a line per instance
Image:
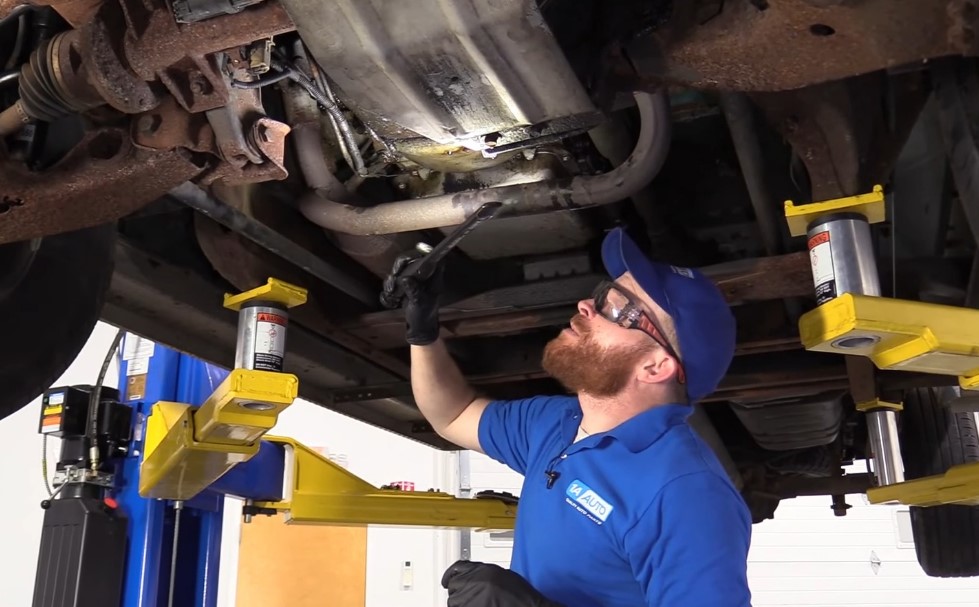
102,179
757,377
789,44
159,43
792,423
552,302
251,145
75,12
841,132
955,89
199,200
739,116
170,126
117,54
522,199
531,235
8,6
449,72
108,68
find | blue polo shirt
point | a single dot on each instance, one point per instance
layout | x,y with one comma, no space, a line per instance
641,515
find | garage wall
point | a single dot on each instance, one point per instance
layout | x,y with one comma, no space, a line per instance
378,457
805,556
487,474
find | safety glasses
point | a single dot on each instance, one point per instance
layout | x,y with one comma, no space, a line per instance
616,306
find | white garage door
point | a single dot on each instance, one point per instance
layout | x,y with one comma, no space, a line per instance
808,556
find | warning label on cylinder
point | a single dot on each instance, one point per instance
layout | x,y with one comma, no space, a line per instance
270,341
823,273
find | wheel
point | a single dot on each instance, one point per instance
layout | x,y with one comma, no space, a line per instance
51,295
933,438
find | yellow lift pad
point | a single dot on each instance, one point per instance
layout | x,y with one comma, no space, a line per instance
245,406
869,205
321,492
186,449
177,467
898,335
275,290
960,485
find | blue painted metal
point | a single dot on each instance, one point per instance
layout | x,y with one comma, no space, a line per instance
208,501
197,380
209,558
259,479
141,587
172,377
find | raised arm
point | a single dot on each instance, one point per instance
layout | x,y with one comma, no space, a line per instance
444,397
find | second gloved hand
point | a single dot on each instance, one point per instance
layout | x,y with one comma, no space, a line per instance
487,585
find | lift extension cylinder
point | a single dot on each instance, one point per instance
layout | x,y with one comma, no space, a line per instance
187,450
842,256
263,316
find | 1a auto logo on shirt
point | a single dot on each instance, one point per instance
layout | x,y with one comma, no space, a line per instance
587,502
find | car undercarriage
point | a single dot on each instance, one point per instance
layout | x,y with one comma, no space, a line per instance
155,155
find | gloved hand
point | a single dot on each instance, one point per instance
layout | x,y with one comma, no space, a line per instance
487,585
420,300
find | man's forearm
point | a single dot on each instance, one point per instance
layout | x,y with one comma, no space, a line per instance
440,389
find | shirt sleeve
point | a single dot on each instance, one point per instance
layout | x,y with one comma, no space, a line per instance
507,429
691,547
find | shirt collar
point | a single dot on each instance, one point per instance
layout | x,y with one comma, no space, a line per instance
637,433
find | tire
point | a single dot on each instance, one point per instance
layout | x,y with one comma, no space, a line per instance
933,439
51,311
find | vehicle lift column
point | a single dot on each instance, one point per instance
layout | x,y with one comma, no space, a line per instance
874,332
192,457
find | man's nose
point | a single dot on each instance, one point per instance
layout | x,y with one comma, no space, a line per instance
586,307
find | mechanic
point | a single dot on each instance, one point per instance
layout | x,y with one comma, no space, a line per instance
622,503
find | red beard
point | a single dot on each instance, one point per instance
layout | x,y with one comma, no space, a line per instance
583,366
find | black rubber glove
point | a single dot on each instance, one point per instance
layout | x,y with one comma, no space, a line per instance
420,300
487,585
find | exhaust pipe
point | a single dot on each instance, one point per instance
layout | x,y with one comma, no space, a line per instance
446,210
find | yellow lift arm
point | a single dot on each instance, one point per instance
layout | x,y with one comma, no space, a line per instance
188,449
318,491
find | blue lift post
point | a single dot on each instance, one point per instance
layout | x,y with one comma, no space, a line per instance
150,373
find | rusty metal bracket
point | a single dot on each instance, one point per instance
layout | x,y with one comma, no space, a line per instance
102,179
170,126
106,66
790,44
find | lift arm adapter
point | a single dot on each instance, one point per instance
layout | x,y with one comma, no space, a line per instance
187,450
898,335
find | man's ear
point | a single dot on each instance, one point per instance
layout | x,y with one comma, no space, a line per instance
656,367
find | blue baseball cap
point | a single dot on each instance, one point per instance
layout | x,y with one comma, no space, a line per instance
705,325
